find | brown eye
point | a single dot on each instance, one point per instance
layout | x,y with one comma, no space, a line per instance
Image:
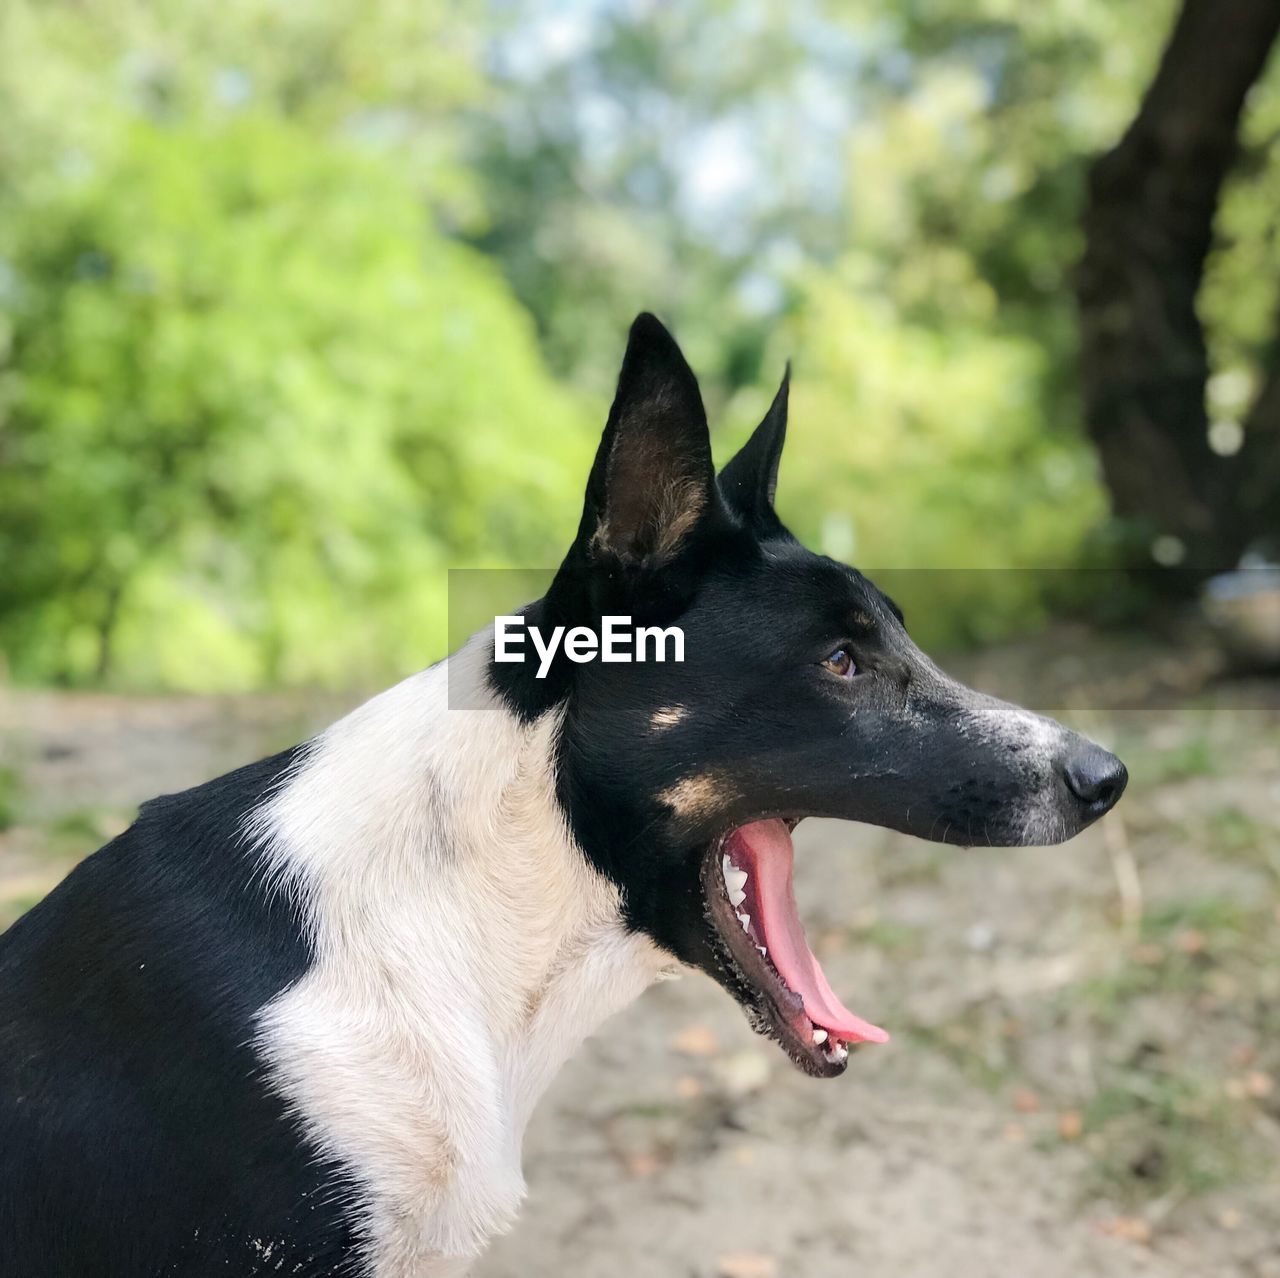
841,663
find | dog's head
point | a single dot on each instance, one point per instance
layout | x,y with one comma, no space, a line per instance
800,694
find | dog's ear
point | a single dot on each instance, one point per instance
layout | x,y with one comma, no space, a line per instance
750,479
652,483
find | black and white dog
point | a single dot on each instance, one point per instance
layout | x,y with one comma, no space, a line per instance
294,1021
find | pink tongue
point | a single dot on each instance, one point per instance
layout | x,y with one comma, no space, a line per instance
764,850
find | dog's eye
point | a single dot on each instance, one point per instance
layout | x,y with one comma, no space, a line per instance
841,663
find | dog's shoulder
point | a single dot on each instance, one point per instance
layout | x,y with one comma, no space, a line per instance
175,895
127,1006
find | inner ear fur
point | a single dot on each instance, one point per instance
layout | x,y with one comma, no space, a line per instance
653,481
657,502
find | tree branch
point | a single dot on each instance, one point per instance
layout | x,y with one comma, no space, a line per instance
1148,228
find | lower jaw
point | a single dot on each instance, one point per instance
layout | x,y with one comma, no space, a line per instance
772,1008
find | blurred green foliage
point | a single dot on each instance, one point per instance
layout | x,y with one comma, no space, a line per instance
302,305
255,403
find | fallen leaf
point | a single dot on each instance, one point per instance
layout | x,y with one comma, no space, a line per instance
1258,1085
688,1087
1025,1101
1130,1228
1070,1124
747,1264
696,1040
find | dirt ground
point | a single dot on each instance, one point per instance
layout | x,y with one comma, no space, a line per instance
1084,1076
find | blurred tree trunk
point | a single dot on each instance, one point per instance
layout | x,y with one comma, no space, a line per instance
1148,228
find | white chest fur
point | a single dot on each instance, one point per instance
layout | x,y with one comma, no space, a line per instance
464,949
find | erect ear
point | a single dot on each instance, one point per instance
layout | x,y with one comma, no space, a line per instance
750,478
652,482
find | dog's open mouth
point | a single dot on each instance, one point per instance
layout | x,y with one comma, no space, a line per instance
746,879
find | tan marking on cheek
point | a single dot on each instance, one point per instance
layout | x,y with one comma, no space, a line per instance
667,717
698,796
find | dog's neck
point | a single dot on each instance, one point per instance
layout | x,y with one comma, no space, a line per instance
464,947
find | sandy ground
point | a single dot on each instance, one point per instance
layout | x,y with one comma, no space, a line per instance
1084,1077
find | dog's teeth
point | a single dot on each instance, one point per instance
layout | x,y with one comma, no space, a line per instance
836,1053
736,896
763,951
819,1036
745,920
735,879
726,867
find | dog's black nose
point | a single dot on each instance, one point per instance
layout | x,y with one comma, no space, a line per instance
1096,777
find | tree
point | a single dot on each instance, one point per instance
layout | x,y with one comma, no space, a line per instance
1145,362
253,398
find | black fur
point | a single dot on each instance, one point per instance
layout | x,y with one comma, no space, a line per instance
750,480
761,726
137,1136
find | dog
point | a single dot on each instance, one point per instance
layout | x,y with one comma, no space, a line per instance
294,1021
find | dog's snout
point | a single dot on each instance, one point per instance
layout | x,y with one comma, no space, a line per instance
1096,777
